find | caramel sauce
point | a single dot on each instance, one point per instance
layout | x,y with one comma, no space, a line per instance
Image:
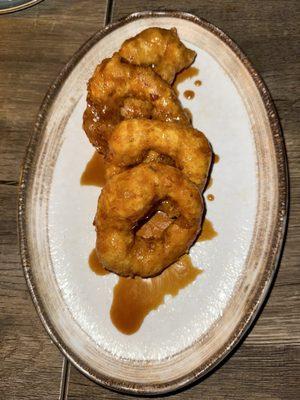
133,299
94,173
189,94
216,158
184,75
197,83
95,264
208,232
210,197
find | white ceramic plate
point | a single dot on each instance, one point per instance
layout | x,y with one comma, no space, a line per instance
190,333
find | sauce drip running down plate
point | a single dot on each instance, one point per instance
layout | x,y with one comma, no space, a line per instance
192,331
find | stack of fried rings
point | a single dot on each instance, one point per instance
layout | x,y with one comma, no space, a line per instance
154,156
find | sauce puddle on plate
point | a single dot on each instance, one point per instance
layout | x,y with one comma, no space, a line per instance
208,232
94,173
188,73
198,83
135,298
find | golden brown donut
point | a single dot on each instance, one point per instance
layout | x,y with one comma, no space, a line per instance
133,196
118,91
160,49
131,141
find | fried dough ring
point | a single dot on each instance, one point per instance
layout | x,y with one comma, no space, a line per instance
159,48
131,197
190,150
119,91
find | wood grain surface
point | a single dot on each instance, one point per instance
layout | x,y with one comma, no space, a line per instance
34,45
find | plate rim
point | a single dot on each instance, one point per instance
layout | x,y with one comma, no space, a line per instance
277,242
27,4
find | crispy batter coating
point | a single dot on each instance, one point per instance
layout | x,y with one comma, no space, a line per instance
119,91
130,198
160,49
131,141
156,164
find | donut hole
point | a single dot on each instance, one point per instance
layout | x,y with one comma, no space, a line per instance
154,225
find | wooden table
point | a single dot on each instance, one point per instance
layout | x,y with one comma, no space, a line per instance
34,46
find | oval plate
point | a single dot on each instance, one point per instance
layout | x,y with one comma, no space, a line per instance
189,334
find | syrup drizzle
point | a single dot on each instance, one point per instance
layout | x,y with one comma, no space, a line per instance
133,299
188,73
94,173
